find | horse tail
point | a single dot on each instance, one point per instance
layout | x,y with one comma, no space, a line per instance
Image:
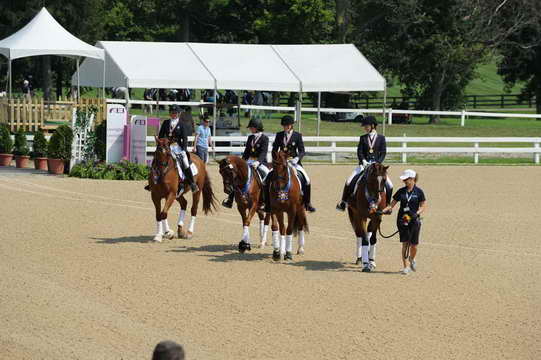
209,200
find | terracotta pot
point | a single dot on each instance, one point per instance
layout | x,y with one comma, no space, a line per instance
56,166
5,159
40,163
21,161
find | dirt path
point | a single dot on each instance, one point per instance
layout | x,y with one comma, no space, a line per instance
81,281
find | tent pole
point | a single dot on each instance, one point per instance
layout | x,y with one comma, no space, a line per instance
318,113
78,83
214,117
103,83
384,105
300,110
10,94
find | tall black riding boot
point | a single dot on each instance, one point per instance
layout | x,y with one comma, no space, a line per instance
341,206
189,176
307,196
228,203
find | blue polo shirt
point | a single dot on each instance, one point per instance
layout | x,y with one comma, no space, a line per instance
204,133
409,200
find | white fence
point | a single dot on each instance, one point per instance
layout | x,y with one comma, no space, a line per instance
237,145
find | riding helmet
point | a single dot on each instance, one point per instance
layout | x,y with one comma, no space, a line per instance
369,120
287,120
174,109
255,123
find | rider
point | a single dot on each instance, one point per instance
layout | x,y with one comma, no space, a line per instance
372,148
255,154
291,142
175,131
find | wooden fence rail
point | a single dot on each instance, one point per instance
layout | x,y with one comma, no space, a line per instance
33,114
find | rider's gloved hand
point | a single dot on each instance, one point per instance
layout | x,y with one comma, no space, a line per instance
255,164
294,161
364,163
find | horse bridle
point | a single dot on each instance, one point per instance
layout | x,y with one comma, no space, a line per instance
163,166
235,184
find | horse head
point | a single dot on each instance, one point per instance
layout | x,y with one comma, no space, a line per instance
162,153
376,177
280,169
234,173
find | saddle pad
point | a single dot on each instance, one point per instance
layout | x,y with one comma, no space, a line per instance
194,171
300,179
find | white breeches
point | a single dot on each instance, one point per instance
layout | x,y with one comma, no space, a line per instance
180,155
263,168
358,170
302,171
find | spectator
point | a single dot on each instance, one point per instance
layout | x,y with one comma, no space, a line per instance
27,89
203,140
168,350
247,99
186,119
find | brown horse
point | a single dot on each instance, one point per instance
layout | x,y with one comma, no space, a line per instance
164,181
286,199
240,179
365,215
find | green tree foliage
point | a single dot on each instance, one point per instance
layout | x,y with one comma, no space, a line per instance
39,145
21,145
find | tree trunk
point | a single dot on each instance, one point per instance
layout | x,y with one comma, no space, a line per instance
537,80
46,69
59,81
342,20
436,97
186,27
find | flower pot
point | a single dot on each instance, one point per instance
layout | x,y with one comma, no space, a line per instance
40,163
5,159
56,166
21,161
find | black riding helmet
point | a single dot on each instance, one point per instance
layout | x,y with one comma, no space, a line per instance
255,123
369,120
287,120
174,109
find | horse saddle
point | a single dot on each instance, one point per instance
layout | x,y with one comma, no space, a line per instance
300,178
181,171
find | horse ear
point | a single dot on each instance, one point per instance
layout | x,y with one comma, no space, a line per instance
386,167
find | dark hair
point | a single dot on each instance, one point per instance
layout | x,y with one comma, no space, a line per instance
168,350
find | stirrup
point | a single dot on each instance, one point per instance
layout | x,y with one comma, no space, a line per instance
341,206
227,204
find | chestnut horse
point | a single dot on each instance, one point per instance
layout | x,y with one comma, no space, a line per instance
164,182
286,199
365,217
239,178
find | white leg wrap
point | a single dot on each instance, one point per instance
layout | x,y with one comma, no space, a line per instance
265,232
282,244
276,240
261,228
365,254
192,224
301,239
165,225
372,252
359,247
289,243
159,227
246,234
181,217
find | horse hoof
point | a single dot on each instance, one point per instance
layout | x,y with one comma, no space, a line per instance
366,268
158,238
300,251
169,235
359,261
189,235
276,255
262,245
288,256
372,264
244,246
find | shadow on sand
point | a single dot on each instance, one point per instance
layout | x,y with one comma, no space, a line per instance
124,239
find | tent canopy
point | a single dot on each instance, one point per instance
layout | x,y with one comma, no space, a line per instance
309,68
43,35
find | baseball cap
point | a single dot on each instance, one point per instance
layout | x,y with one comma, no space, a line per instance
408,173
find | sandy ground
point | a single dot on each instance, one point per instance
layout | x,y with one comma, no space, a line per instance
80,279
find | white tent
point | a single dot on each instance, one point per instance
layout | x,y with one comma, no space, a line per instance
43,35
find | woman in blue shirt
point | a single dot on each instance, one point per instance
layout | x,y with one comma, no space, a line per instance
412,204
203,140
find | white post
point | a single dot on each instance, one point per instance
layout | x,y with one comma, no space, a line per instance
318,113
103,83
463,118
214,116
536,155
10,93
384,105
300,110
390,116
78,82
404,154
333,154
476,156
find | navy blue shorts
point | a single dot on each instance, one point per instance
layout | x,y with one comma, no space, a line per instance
410,233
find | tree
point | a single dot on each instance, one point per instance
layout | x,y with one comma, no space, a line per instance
433,46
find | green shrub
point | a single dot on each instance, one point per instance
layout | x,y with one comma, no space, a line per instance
60,143
6,144
123,170
21,145
100,141
39,146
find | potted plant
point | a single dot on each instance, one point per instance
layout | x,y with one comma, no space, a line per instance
39,151
59,149
6,145
20,149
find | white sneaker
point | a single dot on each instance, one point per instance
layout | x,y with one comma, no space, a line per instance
413,265
405,271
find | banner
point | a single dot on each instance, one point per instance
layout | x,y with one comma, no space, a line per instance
116,119
138,139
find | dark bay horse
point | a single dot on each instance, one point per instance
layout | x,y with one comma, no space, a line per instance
365,216
286,200
164,182
240,179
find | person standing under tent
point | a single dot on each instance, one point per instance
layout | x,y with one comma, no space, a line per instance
292,143
412,204
203,140
255,154
372,148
